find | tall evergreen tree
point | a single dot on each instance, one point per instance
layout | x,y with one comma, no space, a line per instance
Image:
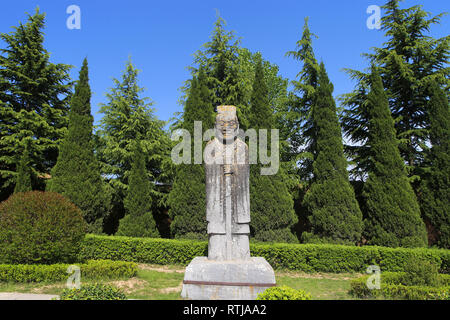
76,174
187,199
24,172
128,117
392,212
299,118
407,61
271,205
34,96
435,187
334,212
138,220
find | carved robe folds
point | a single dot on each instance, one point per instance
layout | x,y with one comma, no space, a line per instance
227,200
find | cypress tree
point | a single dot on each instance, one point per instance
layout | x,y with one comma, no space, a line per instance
34,96
76,174
406,61
435,187
187,199
393,215
334,213
271,205
127,117
138,220
300,104
24,172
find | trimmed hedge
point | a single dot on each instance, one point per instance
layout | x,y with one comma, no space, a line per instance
302,257
391,288
92,270
283,293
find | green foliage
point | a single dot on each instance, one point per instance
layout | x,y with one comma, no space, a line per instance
283,293
434,191
187,199
220,61
419,272
91,270
392,288
144,250
24,172
301,257
40,227
129,118
408,60
299,115
76,174
334,213
138,221
271,206
391,209
34,97
96,291
188,202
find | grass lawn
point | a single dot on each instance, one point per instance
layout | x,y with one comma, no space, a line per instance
155,282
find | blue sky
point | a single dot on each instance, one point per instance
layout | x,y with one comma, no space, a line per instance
161,37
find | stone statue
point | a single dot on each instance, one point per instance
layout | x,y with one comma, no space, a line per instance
229,272
227,190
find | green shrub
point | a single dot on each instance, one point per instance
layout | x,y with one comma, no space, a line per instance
419,272
283,293
301,257
92,270
40,227
392,288
93,292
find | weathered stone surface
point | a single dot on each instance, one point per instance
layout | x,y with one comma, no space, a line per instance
251,276
227,190
228,273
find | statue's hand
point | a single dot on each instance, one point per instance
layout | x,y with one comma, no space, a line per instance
227,169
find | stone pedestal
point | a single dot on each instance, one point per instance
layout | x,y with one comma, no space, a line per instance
227,280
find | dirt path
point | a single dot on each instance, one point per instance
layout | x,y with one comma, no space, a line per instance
25,296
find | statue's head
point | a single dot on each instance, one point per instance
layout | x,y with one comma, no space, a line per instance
227,124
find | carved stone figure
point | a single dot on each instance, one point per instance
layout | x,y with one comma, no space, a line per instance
227,190
228,273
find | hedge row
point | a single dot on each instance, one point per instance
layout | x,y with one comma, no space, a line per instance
302,257
92,270
391,288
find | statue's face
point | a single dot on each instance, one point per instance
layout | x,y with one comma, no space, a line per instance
227,127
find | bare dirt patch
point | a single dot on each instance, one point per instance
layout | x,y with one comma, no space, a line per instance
161,268
130,285
172,289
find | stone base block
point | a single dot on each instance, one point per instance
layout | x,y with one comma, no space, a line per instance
227,280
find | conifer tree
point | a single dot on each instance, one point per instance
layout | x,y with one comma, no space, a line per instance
300,104
187,199
138,220
392,212
76,174
271,206
127,117
334,213
435,187
406,61
24,172
34,96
